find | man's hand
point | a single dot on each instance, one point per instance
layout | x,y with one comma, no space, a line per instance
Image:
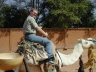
46,34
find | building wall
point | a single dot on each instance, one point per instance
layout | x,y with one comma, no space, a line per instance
62,38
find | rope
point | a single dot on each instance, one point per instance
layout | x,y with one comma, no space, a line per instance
91,59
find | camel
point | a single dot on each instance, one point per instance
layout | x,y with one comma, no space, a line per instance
62,59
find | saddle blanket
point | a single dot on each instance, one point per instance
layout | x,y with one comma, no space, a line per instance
34,52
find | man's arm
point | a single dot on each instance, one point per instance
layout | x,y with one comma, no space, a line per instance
41,31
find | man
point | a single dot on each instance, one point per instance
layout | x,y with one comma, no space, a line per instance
29,29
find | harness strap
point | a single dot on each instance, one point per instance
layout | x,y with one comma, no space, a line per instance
59,57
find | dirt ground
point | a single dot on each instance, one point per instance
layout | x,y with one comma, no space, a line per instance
75,66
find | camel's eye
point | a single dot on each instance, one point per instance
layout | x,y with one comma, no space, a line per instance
86,42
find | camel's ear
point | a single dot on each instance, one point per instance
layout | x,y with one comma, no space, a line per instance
79,40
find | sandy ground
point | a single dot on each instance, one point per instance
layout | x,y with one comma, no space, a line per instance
75,66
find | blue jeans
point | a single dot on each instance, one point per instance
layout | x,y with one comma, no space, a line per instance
43,41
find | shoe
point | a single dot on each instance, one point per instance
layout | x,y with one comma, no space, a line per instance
51,62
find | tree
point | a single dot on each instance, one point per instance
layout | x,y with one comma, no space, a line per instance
1,3
67,13
2,20
52,13
12,17
87,19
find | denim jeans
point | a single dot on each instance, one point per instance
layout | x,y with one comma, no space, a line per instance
43,41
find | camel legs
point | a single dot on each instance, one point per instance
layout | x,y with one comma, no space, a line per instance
90,70
42,67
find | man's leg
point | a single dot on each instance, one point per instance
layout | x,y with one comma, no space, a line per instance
45,42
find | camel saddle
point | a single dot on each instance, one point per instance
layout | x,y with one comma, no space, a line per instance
35,51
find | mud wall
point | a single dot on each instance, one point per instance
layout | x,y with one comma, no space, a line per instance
62,38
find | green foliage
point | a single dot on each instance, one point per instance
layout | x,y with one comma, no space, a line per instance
93,23
61,14
12,17
2,20
65,13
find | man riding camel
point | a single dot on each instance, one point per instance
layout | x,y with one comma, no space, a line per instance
29,29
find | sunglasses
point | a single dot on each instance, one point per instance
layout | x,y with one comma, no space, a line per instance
35,13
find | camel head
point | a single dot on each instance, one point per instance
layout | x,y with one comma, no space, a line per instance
86,43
